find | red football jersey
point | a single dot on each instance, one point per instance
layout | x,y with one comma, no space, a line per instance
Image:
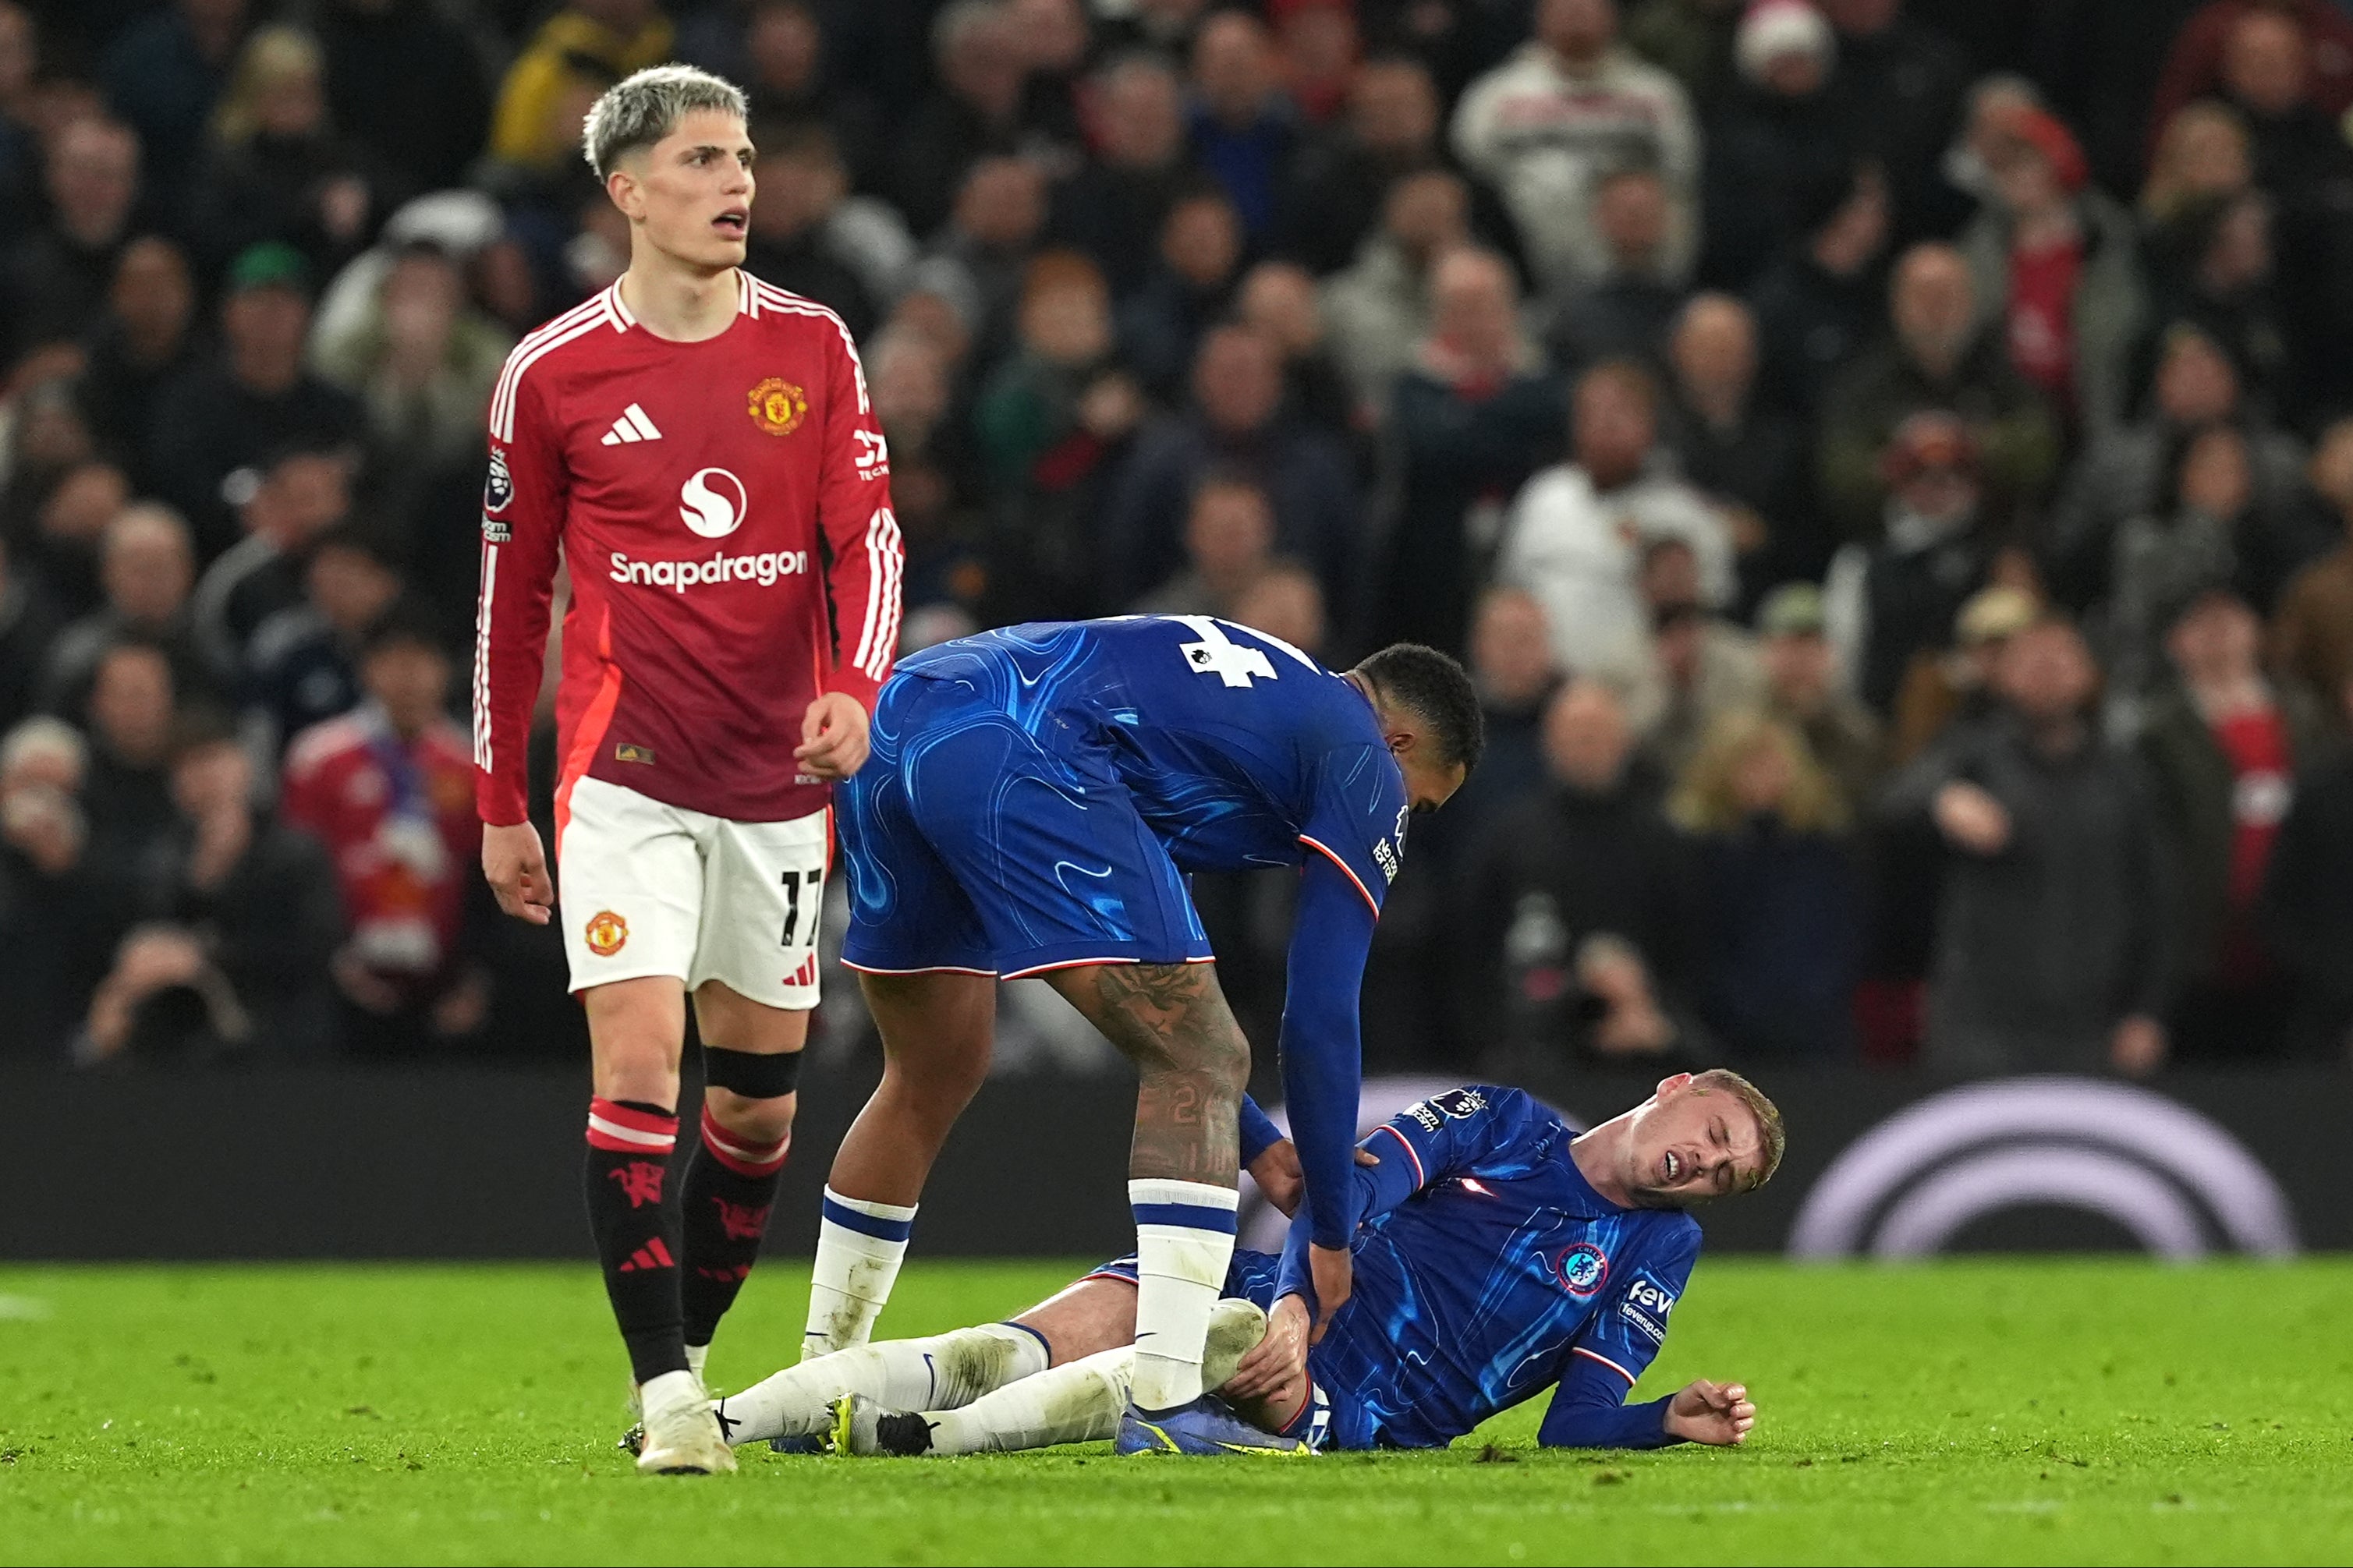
724,508
398,817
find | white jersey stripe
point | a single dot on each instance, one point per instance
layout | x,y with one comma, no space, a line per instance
524,351
886,647
874,591
776,298
503,408
482,657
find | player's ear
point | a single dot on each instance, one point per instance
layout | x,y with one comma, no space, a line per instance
622,187
1671,1084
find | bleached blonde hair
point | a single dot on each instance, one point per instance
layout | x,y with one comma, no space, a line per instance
641,109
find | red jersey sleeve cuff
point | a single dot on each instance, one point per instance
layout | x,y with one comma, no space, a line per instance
498,802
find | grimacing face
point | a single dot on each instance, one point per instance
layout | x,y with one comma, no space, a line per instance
692,191
1691,1144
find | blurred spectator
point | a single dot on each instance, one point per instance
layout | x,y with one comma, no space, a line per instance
1115,206
1575,915
144,340
276,170
301,662
47,438
1160,324
2291,38
1955,686
1702,666
298,495
1379,305
1051,420
811,236
1511,663
1465,426
53,282
1315,46
1781,129
585,44
1568,106
389,789
1623,312
1780,903
2312,635
62,548
1236,424
1693,39
2307,905
54,917
407,84
244,920
1340,180
975,112
2055,947
2214,267
1891,602
147,564
2223,752
162,75
1994,105
2212,527
422,362
28,626
1056,42
1819,306
1938,360
218,421
1577,534
2131,472
2202,155
2066,260
1000,209
1228,546
1749,457
20,62
1285,601
1279,298
126,791
1244,130
1801,691
1902,83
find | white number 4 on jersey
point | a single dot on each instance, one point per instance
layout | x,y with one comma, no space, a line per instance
1218,655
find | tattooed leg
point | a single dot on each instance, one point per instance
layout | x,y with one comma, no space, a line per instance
1172,1021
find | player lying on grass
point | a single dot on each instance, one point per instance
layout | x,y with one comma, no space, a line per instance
1499,1255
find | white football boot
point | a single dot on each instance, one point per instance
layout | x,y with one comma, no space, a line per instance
681,1430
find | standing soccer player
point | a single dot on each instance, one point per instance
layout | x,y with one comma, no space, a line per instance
700,450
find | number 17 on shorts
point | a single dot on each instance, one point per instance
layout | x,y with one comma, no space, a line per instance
650,888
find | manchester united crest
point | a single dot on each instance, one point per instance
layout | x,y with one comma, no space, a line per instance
778,406
607,933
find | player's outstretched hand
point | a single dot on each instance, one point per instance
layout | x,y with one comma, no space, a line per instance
1275,1360
516,868
1713,1412
833,737
1334,1272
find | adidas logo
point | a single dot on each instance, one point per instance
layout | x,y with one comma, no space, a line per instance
632,426
805,974
652,1255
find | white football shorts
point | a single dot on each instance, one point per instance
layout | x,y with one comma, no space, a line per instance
647,889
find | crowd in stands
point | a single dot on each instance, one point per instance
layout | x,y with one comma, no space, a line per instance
1887,463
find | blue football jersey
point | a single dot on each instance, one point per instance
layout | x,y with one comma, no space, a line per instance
1488,1271
1239,749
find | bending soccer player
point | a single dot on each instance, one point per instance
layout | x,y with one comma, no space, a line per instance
1500,1255
700,450
1035,798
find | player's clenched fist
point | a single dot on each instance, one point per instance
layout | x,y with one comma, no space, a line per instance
516,867
833,737
1713,1412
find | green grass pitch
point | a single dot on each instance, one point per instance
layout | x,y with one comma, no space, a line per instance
1995,1412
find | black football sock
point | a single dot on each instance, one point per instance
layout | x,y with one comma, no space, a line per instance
637,1230
729,1184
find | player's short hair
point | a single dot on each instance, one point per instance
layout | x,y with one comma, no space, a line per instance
1724,1080
1434,688
639,110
